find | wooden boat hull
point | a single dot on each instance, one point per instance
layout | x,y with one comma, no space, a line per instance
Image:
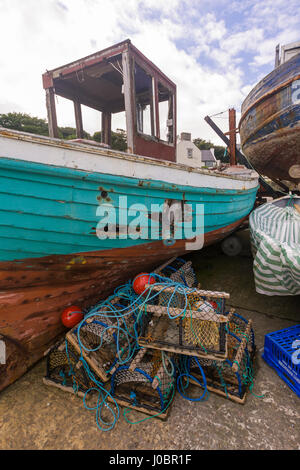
270,124
50,255
31,300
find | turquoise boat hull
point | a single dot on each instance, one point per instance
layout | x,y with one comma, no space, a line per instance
51,211
50,253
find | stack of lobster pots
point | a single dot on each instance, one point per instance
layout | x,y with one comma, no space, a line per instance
139,350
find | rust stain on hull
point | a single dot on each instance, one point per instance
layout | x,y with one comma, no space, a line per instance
34,292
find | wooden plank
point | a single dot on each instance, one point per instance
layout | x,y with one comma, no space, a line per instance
240,351
137,359
106,128
64,388
158,376
232,136
229,396
95,366
164,265
190,290
182,350
78,119
163,416
156,108
128,98
51,112
205,316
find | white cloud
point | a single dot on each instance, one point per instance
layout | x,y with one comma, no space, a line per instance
42,34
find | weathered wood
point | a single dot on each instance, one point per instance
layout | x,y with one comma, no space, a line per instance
128,98
91,360
137,359
78,119
206,316
189,290
240,351
158,377
103,309
56,287
156,108
64,388
216,390
51,112
232,136
163,416
164,265
180,350
106,128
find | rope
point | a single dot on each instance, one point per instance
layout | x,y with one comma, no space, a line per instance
186,374
122,316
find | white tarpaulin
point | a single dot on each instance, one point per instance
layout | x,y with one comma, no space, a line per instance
275,240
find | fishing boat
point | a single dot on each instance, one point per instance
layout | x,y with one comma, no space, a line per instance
270,120
53,192
275,240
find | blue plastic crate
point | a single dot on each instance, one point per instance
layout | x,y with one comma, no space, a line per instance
280,354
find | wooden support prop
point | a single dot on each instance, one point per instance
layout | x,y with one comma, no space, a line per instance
128,98
51,111
156,108
240,351
78,119
162,266
106,128
232,136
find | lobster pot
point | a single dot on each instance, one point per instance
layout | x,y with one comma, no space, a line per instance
194,299
180,271
105,336
238,325
145,384
65,370
230,378
186,321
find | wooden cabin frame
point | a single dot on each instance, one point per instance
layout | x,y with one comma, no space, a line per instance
119,78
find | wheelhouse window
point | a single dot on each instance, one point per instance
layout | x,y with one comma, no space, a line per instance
144,102
166,113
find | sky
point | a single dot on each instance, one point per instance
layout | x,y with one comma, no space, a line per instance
214,50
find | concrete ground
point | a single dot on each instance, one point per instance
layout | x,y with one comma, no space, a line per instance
34,416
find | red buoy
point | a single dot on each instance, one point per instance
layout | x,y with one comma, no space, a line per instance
140,282
71,316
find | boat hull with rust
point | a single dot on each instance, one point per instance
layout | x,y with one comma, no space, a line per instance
270,124
50,254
